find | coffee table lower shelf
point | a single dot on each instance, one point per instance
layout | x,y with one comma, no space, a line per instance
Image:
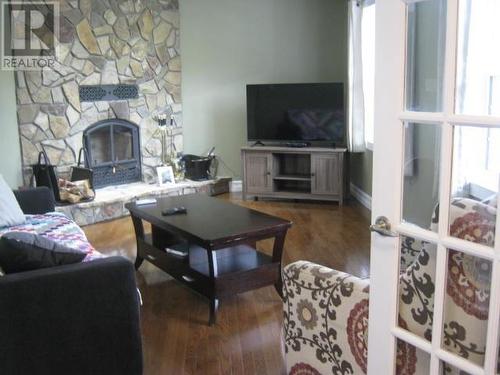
238,269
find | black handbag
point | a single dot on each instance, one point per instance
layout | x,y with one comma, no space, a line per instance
45,174
80,173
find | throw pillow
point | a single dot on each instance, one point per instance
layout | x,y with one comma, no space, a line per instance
20,251
10,212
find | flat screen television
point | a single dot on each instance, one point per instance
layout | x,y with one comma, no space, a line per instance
303,112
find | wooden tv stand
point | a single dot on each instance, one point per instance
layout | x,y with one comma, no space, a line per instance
293,173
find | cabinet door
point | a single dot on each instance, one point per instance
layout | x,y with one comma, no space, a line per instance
325,174
258,172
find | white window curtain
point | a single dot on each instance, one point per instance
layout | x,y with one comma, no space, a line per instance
356,97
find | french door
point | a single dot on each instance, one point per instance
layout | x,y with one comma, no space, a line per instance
435,273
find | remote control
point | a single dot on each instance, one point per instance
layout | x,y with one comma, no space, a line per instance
174,211
141,202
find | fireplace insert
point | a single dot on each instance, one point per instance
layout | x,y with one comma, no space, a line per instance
113,148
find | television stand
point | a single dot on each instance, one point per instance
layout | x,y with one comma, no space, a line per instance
297,144
293,173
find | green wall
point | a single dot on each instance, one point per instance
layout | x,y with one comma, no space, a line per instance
227,44
361,167
420,190
10,151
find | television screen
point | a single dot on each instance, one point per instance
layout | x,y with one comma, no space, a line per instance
296,112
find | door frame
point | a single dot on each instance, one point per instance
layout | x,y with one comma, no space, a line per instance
389,79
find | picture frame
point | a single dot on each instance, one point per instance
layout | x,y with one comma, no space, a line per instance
165,175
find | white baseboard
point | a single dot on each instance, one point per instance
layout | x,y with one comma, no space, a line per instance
361,196
236,186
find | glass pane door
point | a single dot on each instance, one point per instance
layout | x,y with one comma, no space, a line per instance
100,146
448,248
123,143
443,310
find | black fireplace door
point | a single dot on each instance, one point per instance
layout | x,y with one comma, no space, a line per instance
114,152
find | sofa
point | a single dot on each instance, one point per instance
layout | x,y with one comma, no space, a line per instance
80,318
326,311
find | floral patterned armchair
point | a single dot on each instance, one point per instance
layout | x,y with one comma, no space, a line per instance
326,311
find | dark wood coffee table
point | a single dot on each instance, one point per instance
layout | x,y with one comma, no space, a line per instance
219,240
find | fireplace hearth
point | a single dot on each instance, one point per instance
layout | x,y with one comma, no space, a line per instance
113,152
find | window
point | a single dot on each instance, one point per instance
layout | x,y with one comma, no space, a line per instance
368,58
477,159
478,67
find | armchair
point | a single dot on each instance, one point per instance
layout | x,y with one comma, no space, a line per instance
326,311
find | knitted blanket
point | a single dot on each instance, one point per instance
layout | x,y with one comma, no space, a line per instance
57,227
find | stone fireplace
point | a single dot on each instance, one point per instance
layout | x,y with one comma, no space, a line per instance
118,68
113,152
105,42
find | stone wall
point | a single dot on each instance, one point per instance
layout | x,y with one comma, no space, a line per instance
103,42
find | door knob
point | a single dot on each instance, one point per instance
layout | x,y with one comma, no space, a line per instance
383,227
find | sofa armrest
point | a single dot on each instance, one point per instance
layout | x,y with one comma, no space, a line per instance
35,201
325,319
75,319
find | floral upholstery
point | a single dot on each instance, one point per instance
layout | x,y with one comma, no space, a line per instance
326,311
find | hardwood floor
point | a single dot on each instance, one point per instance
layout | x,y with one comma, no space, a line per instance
246,338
